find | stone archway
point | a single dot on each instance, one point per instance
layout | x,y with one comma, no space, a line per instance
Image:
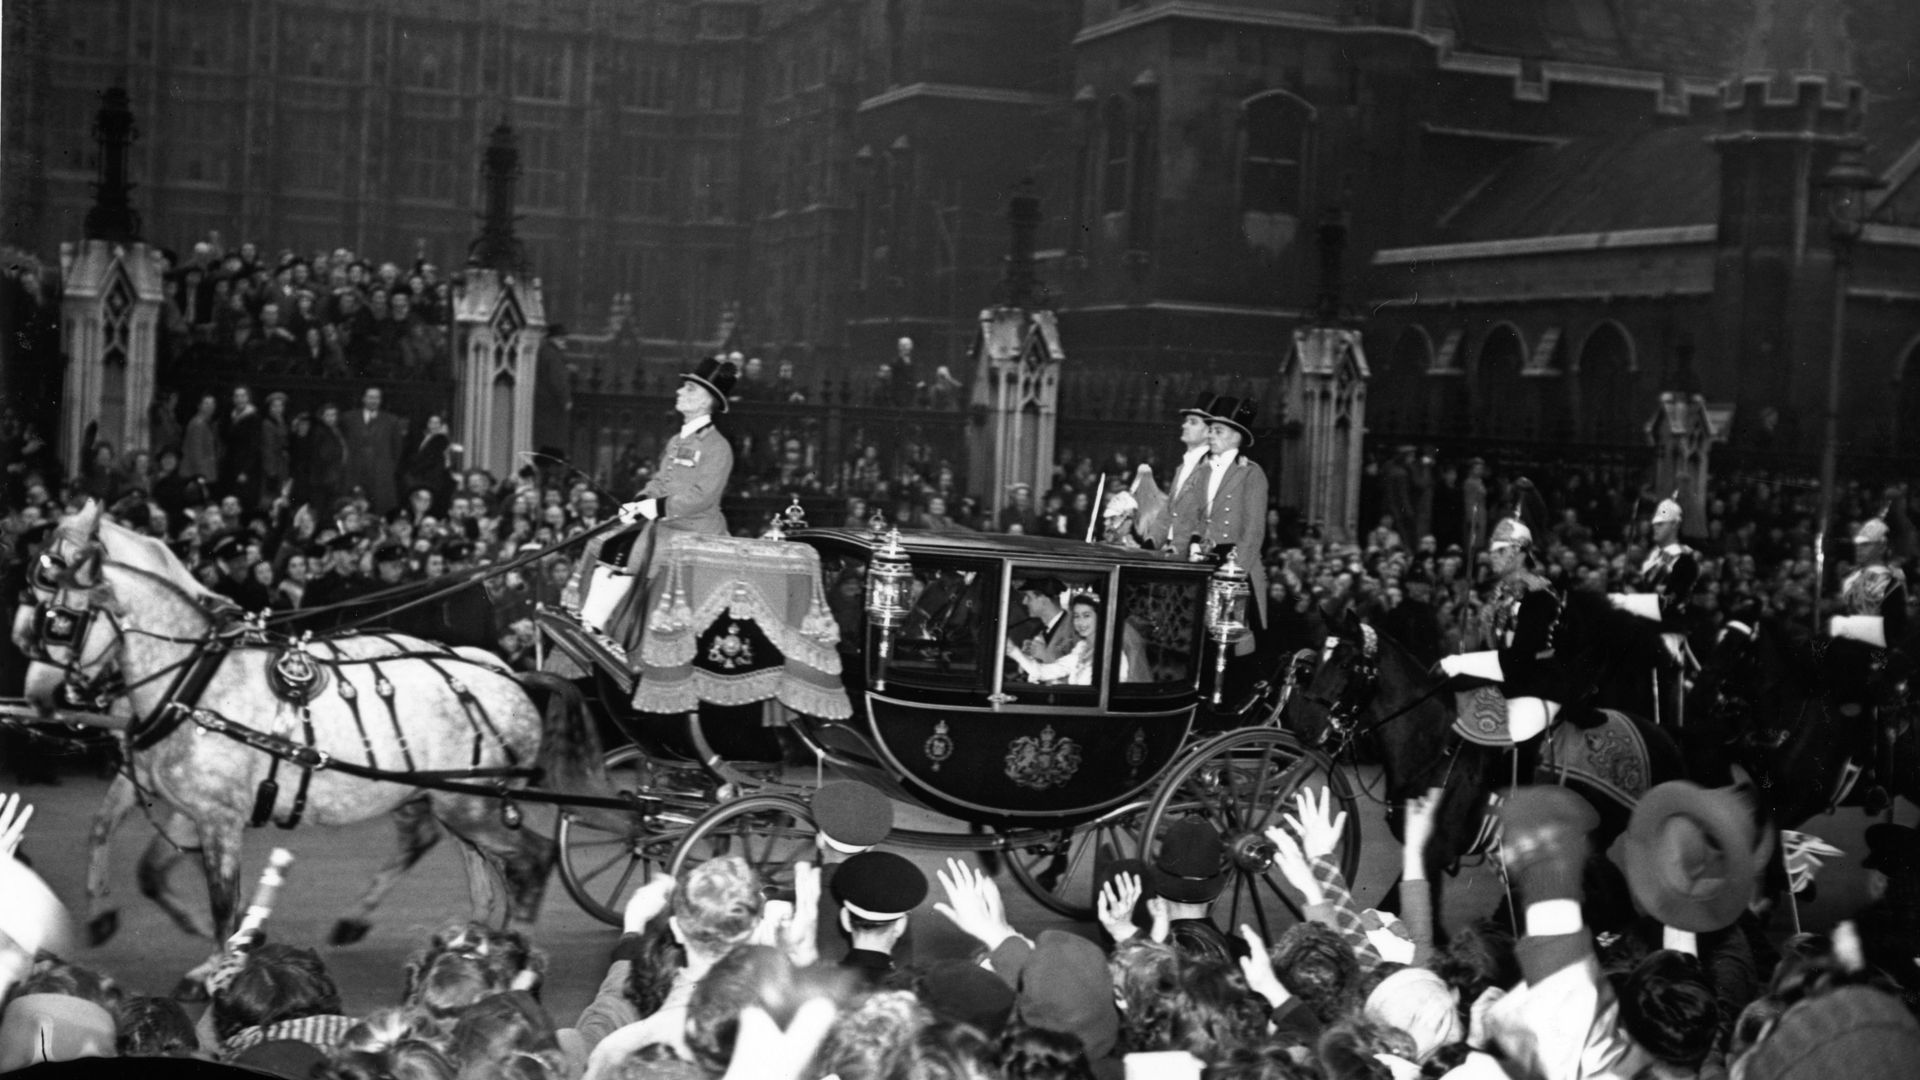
1606,405
1500,398
1395,391
1906,404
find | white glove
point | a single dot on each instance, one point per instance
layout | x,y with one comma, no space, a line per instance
1871,629
644,508
1644,605
1478,665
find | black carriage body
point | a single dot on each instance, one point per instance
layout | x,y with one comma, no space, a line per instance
944,719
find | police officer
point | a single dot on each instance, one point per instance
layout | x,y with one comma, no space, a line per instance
849,818
877,891
1667,578
235,578
1873,620
1523,615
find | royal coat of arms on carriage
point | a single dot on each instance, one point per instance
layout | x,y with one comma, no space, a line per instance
1044,761
731,650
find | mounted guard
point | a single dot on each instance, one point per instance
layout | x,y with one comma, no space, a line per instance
1863,647
1667,579
1523,616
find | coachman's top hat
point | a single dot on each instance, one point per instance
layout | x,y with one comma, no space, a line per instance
716,377
1692,855
1236,413
1202,407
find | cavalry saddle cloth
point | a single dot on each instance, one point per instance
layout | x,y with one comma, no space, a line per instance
1611,755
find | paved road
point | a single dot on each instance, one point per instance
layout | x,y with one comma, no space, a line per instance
334,864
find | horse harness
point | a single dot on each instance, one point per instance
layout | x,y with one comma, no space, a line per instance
293,674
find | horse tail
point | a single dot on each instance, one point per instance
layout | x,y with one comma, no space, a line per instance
570,755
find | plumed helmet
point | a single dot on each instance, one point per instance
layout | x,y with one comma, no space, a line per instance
1873,532
1511,531
1668,510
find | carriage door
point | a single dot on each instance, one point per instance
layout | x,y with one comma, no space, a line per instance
1159,636
946,648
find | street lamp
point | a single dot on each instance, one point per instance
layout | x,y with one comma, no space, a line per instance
1846,185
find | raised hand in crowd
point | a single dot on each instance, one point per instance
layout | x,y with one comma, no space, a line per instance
1257,966
1295,870
1416,831
14,815
973,904
1316,824
1118,898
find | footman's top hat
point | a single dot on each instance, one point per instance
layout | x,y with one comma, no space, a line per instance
1236,413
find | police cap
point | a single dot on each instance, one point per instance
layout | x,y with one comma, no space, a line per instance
879,886
852,816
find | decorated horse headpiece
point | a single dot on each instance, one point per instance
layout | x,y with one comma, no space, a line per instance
1511,531
1668,510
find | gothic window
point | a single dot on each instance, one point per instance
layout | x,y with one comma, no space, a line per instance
1273,164
714,178
430,154
200,37
429,57
543,168
896,42
316,150
540,70
1116,156
92,29
643,181
117,317
647,85
200,141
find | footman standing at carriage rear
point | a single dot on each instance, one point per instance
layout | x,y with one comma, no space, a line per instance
684,494
1873,603
1524,613
1235,490
1667,578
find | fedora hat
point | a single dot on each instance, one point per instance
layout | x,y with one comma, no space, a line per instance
1191,867
716,376
1236,413
1693,854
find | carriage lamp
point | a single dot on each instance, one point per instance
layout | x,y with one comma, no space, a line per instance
889,586
1227,593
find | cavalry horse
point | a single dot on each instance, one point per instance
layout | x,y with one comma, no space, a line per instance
1369,687
209,735
1760,703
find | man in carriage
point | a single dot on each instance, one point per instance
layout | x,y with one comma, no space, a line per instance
1522,620
1667,579
1863,665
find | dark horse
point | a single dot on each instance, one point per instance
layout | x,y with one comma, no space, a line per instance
1369,689
1760,704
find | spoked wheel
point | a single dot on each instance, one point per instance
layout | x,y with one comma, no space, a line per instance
1241,783
1061,870
604,853
771,832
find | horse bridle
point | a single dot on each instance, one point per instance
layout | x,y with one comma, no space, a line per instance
1343,710
66,626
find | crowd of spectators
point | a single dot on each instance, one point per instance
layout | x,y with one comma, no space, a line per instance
716,975
333,314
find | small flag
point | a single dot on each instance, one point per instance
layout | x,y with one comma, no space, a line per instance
1805,854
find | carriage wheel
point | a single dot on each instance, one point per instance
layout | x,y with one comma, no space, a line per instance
1241,783
603,853
771,832
1061,870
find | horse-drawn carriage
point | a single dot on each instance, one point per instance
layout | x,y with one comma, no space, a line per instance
878,657
1056,776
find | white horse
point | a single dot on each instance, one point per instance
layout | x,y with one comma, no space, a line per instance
387,702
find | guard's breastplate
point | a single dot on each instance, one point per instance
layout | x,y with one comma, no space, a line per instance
1503,618
1866,589
1658,568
